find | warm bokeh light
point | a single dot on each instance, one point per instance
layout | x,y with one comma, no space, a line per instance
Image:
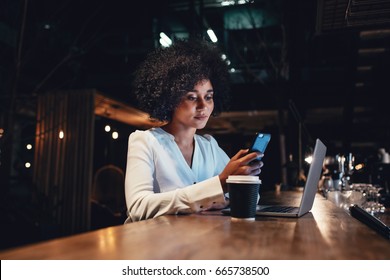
115,135
107,128
28,146
61,134
309,159
359,166
27,165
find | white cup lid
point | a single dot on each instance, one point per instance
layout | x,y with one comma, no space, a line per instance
243,179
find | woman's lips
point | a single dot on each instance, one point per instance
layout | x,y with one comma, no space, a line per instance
202,117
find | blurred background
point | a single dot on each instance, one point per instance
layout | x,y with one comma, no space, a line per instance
300,70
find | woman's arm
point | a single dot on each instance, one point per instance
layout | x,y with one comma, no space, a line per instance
149,168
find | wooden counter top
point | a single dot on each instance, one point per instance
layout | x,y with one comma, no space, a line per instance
327,232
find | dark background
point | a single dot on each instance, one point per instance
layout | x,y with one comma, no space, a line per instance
303,70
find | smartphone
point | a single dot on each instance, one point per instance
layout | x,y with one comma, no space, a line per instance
259,143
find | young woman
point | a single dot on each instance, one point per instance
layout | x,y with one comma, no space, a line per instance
172,169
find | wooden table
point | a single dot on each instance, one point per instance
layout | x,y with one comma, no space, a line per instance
327,232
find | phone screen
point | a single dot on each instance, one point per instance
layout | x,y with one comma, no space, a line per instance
260,143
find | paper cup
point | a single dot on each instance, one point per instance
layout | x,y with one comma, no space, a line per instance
243,195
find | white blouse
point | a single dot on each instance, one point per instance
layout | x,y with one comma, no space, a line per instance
159,181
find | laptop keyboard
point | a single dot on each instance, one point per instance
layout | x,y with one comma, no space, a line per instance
279,209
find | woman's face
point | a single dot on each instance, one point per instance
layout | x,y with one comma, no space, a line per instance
196,106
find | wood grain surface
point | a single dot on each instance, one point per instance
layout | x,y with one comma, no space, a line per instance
327,232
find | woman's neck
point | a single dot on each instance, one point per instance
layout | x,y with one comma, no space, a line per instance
184,139
184,136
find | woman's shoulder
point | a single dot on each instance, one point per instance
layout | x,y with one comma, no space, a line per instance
150,134
139,134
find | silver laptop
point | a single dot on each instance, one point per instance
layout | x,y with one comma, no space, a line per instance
309,192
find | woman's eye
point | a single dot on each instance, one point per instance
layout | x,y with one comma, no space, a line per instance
209,97
191,98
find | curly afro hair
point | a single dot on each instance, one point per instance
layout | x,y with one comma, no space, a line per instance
169,73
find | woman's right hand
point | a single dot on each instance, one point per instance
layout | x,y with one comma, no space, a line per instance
241,164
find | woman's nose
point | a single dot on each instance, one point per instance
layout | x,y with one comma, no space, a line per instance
201,104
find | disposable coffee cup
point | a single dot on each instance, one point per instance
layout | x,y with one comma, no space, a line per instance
243,195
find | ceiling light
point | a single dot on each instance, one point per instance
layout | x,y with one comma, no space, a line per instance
235,2
165,41
224,57
212,35
227,3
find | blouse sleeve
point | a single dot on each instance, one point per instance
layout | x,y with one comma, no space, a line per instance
143,199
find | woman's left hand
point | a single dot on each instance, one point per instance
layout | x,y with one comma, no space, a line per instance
242,163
